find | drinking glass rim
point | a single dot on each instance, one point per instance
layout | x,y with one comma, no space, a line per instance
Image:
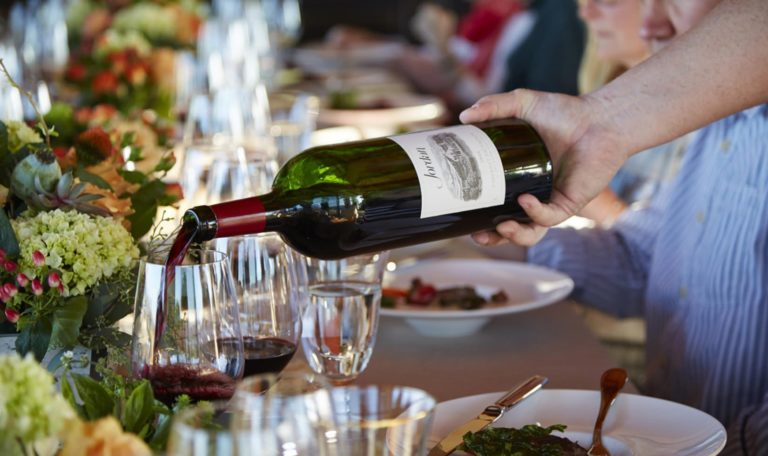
159,258
424,404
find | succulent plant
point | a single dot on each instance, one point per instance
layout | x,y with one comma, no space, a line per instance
67,194
37,167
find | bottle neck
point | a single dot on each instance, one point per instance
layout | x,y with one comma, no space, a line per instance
233,218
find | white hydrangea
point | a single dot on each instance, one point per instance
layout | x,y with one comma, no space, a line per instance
30,407
154,21
114,40
20,134
84,248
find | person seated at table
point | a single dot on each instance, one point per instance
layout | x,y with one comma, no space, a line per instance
693,262
499,46
614,45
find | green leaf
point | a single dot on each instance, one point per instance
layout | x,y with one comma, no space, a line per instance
69,395
34,338
97,401
145,205
85,176
67,321
139,409
134,177
8,240
3,138
128,139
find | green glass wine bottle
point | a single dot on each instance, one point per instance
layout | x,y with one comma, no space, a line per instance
365,196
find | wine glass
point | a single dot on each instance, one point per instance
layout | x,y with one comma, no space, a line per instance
268,277
287,413
186,332
237,176
342,316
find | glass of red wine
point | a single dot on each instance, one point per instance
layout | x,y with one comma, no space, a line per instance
186,332
271,286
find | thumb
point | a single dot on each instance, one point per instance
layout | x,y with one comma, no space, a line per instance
517,103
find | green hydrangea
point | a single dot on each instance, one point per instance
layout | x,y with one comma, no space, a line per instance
154,21
20,134
83,248
30,407
114,40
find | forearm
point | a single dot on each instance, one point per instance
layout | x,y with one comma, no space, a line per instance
717,68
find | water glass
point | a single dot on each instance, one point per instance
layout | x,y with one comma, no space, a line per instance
290,413
382,420
236,177
186,331
294,119
270,284
342,316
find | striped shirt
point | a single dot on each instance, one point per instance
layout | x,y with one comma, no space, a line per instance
694,263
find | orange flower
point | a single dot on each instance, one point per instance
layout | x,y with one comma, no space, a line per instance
75,72
95,23
108,170
67,158
104,437
96,140
104,82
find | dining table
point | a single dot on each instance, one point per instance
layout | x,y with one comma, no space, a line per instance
552,341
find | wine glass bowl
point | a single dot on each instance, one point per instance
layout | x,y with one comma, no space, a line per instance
186,334
270,287
342,314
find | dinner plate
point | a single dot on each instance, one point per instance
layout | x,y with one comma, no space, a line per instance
635,425
527,287
320,58
402,109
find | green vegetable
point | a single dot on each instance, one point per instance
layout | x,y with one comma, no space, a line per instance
530,440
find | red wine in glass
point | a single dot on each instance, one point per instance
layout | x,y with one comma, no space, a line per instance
265,355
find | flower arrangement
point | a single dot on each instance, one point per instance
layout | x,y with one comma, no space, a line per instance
123,52
76,198
115,416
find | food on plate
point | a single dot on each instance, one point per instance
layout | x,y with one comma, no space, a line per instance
423,294
529,440
350,99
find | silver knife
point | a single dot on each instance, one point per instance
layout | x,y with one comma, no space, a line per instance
489,415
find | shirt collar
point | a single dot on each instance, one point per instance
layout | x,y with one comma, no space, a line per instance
755,110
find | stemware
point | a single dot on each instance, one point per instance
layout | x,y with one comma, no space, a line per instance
186,332
270,289
342,316
382,420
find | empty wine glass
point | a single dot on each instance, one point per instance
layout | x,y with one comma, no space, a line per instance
186,332
237,176
294,118
342,316
268,277
290,413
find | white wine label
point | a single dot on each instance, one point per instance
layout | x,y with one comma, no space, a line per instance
459,169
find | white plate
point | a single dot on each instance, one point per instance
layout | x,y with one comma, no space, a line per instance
636,425
320,58
406,108
527,287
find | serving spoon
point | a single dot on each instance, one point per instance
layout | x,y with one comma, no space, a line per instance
611,383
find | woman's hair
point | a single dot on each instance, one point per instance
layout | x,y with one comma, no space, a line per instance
595,72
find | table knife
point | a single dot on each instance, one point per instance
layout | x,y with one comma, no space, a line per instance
488,416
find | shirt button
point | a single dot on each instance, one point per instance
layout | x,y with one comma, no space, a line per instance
700,217
682,292
725,146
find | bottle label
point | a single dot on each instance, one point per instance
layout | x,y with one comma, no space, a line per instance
459,169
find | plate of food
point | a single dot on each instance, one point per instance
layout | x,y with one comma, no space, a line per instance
635,425
361,108
456,297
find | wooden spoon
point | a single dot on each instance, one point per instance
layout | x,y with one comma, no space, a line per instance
611,383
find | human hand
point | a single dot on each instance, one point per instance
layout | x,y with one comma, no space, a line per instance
585,147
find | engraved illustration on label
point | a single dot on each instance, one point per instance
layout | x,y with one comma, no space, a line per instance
459,169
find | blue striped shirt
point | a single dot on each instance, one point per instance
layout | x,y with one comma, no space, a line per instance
695,264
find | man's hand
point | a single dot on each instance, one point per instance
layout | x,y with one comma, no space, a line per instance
586,152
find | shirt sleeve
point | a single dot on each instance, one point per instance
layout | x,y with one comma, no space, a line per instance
748,435
608,266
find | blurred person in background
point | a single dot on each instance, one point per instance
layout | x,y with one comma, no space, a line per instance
499,45
614,46
694,261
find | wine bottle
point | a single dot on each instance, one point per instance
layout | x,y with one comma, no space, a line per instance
365,196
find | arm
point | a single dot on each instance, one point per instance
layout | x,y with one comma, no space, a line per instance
717,68
748,434
609,266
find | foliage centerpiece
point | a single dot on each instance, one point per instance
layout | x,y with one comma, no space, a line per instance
77,193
